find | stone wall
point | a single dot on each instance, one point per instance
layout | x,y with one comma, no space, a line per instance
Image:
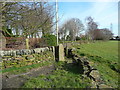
24,60
25,51
87,69
30,56
19,58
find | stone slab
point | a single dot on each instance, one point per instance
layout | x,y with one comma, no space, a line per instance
61,53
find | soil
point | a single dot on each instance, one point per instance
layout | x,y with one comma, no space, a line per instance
17,81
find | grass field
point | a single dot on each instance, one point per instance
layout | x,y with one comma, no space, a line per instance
65,76
105,58
104,55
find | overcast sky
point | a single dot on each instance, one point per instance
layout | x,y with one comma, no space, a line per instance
104,13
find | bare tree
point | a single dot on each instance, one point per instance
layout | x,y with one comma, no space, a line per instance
102,34
63,31
91,26
73,26
107,34
29,19
8,14
97,34
38,19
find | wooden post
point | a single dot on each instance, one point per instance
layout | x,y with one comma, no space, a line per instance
27,43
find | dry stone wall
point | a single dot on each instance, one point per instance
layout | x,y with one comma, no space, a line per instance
25,51
19,58
87,69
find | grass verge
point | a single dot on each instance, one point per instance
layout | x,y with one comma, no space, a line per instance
23,69
65,76
105,58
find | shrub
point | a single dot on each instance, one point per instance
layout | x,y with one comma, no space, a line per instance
78,38
84,38
68,38
51,40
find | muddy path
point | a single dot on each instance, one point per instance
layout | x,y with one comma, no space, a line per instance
17,81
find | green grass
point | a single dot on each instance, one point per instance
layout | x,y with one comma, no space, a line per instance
65,76
105,57
23,69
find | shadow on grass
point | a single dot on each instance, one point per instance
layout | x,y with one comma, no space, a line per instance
73,68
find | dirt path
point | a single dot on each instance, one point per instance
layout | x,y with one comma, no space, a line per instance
16,81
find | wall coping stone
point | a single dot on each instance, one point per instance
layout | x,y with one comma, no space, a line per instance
25,51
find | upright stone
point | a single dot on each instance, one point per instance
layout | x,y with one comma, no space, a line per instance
61,53
27,43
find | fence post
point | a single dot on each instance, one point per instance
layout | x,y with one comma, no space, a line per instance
27,43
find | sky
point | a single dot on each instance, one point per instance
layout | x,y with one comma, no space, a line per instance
104,13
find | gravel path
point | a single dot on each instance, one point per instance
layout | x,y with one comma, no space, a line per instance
16,81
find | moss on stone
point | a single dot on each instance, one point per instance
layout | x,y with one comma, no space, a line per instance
24,60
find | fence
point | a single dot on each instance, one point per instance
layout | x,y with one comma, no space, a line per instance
13,43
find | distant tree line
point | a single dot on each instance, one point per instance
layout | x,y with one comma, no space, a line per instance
94,33
72,30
